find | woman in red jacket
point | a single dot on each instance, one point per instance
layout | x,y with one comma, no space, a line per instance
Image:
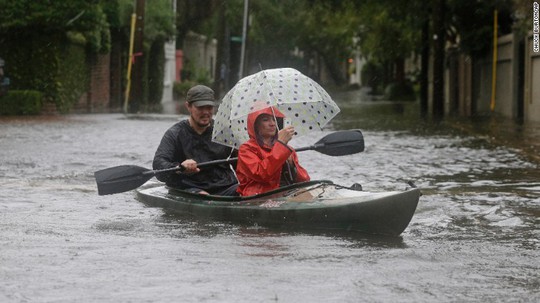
265,161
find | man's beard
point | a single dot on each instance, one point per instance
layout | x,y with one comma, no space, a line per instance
199,124
202,125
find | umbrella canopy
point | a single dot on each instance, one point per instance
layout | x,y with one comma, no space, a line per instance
305,104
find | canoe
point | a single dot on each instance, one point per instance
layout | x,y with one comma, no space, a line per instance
306,205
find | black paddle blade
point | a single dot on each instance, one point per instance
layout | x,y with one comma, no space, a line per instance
341,143
121,178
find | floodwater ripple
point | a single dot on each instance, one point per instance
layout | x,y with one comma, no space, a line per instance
474,236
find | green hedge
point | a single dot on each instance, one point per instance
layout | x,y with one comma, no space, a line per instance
72,77
21,102
400,92
180,89
47,62
372,75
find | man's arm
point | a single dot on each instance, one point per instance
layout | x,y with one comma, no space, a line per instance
165,155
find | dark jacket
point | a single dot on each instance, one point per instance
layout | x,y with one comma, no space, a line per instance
180,143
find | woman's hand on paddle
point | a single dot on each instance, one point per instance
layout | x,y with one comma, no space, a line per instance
190,167
285,135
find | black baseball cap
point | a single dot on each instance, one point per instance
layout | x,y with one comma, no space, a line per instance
201,95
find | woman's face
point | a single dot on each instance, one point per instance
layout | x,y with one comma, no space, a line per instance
266,126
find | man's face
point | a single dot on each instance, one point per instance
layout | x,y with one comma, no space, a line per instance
202,115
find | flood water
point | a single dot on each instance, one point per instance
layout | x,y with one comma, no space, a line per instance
474,237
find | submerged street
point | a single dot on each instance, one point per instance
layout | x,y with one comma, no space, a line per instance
474,236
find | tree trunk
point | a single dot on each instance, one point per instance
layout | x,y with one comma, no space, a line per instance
400,70
335,71
438,57
424,69
222,52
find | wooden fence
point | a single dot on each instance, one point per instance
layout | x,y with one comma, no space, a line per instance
517,87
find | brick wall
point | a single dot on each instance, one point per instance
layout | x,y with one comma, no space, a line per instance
97,98
100,90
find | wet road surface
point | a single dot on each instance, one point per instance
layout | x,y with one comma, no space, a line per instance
474,236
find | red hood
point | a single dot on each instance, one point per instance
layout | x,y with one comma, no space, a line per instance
253,116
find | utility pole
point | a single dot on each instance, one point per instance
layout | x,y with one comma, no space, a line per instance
138,59
244,37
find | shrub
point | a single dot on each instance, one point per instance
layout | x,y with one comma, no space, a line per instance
48,63
372,75
180,89
402,91
21,102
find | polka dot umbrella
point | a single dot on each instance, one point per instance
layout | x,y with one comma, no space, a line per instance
305,104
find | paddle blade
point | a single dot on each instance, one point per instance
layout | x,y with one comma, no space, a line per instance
121,178
341,143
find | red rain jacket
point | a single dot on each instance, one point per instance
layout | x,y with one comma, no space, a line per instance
259,168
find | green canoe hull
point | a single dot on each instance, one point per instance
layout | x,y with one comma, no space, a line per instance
308,205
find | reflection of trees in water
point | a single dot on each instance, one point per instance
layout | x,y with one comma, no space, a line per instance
383,115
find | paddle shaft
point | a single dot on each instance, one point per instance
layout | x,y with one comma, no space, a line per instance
199,165
127,177
224,161
209,163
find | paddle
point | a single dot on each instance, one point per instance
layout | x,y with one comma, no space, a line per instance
122,178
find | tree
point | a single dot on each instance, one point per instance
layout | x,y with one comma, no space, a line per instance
327,29
195,15
470,24
273,34
83,19
46,43
49,44
389,33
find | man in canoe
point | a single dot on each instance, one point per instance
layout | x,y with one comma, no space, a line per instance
265,161
189,142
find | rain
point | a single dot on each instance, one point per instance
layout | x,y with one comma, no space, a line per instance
472,153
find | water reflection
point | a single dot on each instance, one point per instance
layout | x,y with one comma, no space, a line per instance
179,225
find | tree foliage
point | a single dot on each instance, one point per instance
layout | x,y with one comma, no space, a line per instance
84,20
49,45
470,23
389,30
277,28
273,32
195,15
159,23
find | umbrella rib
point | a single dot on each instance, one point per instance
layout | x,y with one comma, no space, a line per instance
274,96
305,103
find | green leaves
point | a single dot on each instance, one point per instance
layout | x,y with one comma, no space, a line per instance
159,23
472,21
389,30
75,16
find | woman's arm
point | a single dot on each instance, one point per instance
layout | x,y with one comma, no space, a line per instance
301,173
261,169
